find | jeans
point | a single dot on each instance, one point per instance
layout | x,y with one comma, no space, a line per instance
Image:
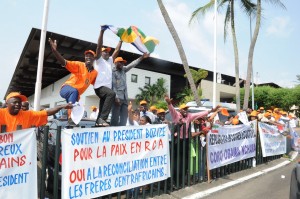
119,114
69,93
107,98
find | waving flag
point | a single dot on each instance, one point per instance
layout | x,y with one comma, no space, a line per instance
136,37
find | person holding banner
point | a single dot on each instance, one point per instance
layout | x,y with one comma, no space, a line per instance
119,85
103,86
13,116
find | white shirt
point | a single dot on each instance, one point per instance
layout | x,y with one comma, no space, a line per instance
135,123
149,114
104,69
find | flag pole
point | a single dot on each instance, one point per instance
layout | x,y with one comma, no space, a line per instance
38,83
252,76
215,56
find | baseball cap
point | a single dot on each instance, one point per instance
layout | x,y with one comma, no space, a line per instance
16,94
153,108
253,114
120,59
93,107
161,110
108,49
224,111
183,106
90,51
143,102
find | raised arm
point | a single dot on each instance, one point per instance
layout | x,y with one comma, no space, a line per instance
194,116
130,114
58,56
117,50
136,62
100,44
173,112
54,110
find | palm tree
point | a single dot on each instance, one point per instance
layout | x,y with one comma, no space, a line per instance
160,88
229,17
251,49
152,93
198,75
180,49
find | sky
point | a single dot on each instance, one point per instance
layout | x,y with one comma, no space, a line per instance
276,54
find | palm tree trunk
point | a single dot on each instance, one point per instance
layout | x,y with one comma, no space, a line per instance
180,50
250,55
236,58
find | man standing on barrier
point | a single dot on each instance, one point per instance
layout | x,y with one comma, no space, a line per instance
104,64
119,85
13,116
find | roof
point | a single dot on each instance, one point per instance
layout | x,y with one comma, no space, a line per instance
24,77
271,84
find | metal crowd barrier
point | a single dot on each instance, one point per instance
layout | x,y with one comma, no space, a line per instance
185,171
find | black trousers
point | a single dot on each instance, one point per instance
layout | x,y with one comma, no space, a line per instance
107,98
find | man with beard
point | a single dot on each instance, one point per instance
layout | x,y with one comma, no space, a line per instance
160,119
12,116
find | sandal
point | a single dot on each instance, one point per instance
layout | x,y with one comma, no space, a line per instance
101,123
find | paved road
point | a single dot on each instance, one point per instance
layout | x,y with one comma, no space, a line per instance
273,185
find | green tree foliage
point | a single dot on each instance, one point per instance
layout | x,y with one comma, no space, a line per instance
187,95
152,93
267,96
198,75
185,92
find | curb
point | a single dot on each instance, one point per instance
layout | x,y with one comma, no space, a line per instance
227,185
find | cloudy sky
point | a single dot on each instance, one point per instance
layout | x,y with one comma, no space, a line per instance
275,55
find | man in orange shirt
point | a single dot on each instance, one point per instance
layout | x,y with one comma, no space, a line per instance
82,74
13,115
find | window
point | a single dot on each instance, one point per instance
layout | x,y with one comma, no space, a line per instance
147,80
134,78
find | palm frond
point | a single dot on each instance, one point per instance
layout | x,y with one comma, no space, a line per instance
202,10
276,3
248,7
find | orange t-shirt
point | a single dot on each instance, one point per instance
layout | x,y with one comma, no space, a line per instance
80,78
26,119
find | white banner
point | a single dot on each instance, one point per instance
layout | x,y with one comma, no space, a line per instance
100,161
18,165
229,144
243,117
272,142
